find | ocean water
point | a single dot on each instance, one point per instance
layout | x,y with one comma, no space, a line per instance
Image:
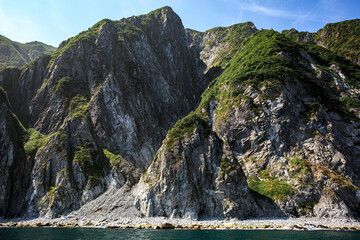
113,234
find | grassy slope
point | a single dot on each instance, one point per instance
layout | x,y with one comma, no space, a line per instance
342,38
17,54
259,64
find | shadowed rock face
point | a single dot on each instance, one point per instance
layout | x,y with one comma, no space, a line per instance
13,163
274,134
258,147
118,86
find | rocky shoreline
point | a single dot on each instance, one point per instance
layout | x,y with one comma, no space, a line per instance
165,223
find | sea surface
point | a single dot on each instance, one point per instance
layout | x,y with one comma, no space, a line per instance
113,234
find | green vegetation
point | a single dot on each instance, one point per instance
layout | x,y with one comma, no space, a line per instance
295,35
257,64
125,30
79,107
338,178
94,164
226,166
29,63
326,58
115,160
128,31
83,154
266,60
273,188
307,205
183,127
350,102
342,38
235,36
18,54
301,166
264,174
88,36
259,61
150,17
69,90
4,97
311,109
34,142
64,86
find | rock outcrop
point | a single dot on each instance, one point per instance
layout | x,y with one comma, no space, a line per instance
121,120
283,136
101,105
14,167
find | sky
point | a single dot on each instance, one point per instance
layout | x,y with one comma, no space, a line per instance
52,21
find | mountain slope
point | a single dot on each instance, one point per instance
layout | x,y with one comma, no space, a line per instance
101,105
270,137
121,121
342,38
18,54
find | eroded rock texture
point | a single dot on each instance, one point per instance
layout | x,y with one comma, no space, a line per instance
275,133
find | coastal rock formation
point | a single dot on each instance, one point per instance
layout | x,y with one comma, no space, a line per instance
100,106
14,167
141,117
284,135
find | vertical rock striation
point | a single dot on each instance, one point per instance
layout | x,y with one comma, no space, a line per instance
122,116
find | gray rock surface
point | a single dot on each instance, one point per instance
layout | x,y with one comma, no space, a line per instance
99,110
104,101
14,167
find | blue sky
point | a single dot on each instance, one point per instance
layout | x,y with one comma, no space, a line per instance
52,21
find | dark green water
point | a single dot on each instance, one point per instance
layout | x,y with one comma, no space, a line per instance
113,234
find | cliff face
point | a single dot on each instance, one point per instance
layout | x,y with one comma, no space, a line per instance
14,167
101,105
275,133
271,142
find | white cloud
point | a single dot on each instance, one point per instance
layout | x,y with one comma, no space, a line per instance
322,12
62,27
254,6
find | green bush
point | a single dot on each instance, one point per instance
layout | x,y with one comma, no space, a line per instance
301,166
226,166
350,102
34,142
183,127
274,188
79,107
92,162
115,160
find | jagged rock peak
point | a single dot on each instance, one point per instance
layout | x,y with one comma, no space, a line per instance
98,111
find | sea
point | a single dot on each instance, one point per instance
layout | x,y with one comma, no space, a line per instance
113,234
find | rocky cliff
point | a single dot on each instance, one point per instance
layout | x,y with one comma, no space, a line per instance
99,107
273,135
122,116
